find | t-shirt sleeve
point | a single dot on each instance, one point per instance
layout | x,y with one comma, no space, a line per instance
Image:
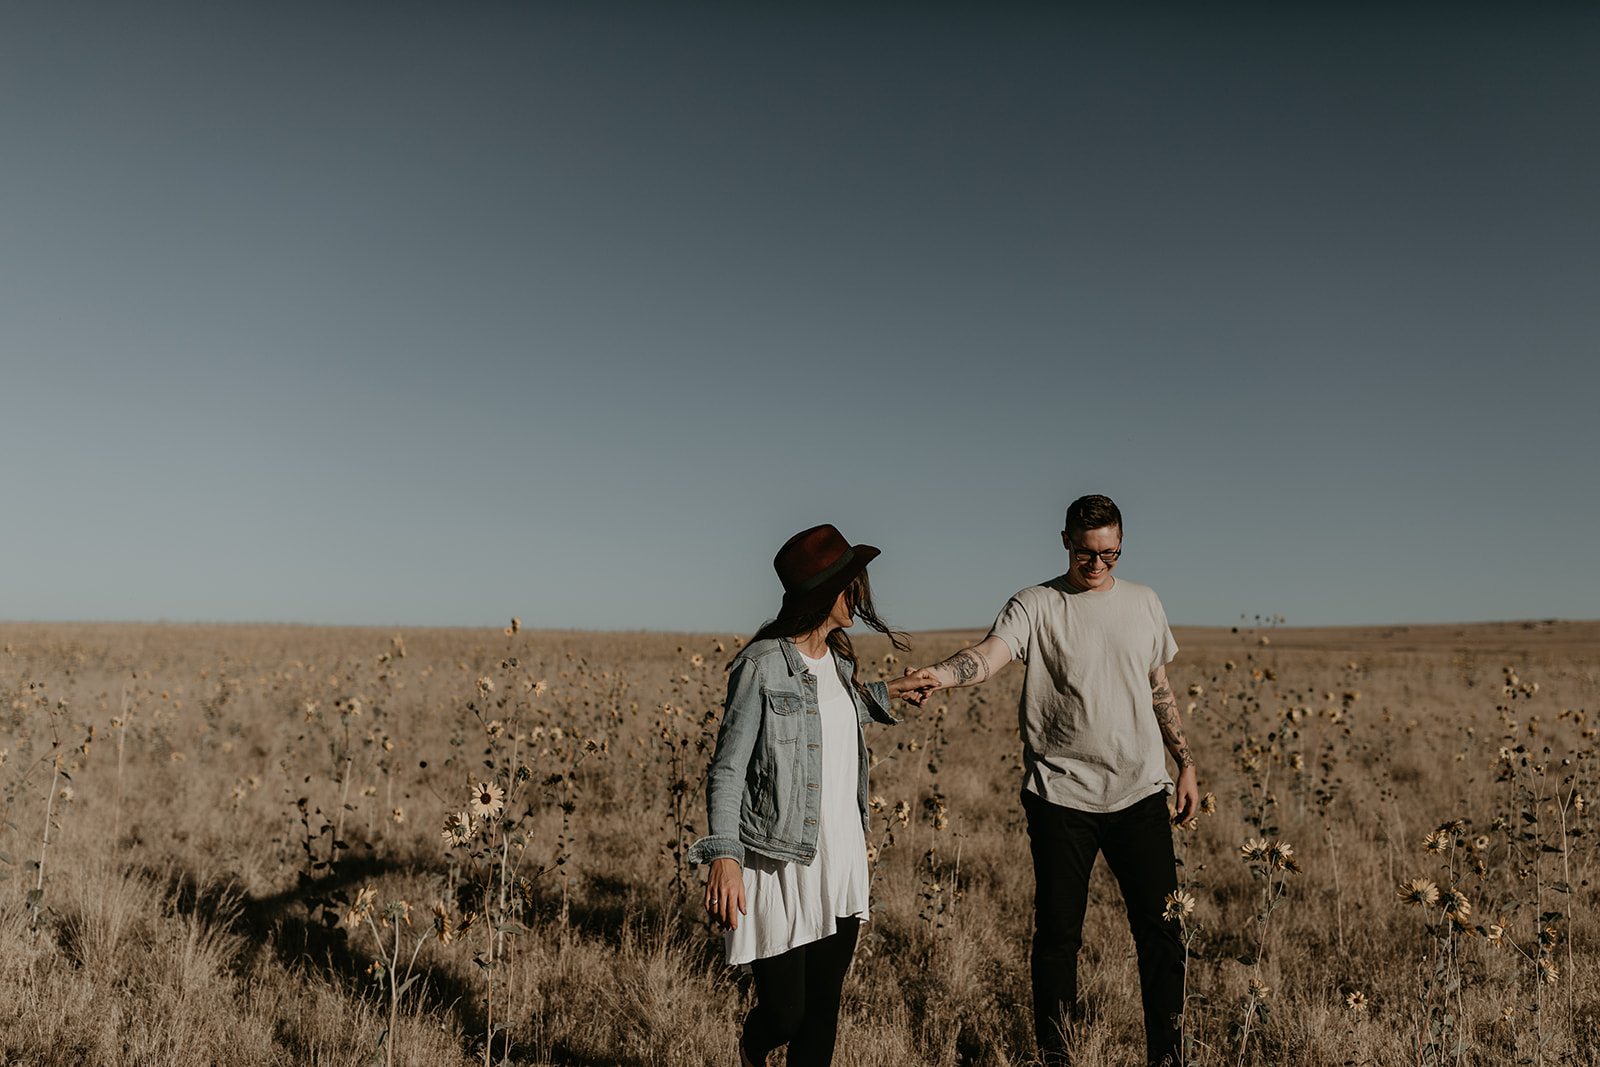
1166,646
1014,628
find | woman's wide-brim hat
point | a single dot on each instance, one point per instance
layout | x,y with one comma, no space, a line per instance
815,566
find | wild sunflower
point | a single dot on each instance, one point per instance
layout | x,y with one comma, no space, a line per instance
1455,905
1418,891
1179,905
1254,850
487,800
359,910
1357,1002
457,828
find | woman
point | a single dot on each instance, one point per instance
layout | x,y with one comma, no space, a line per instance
787,798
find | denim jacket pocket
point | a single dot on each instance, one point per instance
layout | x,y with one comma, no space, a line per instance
786,718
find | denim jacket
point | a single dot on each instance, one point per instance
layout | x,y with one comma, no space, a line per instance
763,787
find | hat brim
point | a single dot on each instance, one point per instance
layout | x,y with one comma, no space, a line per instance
821,596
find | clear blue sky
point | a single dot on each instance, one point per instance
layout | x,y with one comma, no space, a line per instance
436,313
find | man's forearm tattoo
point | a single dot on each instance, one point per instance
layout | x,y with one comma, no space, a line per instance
1166,708
967,667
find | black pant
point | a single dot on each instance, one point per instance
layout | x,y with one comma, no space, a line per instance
797,999
1137,842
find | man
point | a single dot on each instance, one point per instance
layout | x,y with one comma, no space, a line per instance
1096,711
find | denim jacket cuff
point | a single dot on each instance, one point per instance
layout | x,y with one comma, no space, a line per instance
715,847
878,705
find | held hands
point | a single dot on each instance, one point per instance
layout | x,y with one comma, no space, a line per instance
916,687
725,892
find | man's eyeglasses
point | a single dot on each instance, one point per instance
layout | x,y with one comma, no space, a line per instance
1108,557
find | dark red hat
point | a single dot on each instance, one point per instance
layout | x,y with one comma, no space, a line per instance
815,566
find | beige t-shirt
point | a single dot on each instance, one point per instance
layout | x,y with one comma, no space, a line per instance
1090,739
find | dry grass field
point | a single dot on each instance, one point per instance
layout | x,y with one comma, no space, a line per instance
283,845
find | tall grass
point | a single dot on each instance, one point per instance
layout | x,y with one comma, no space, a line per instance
194,890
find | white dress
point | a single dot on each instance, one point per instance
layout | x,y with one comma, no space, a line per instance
786,904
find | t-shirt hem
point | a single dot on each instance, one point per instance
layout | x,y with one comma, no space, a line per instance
864,913
1167,787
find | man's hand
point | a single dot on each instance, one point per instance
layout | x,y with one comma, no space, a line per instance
725,892
1186,801
916,687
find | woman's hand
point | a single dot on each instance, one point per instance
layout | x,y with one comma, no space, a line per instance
725,892
916,687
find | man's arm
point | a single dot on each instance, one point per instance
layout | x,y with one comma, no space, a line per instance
972,665
1166,709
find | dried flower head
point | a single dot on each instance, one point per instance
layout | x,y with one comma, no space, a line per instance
1549,973
1179,904
1281,856
1436,842
1495,933
1419,891
485,686
1356,1001
1455,905
1208,804
1548,937
359,910
1254,850
1259,989
457,828
441,923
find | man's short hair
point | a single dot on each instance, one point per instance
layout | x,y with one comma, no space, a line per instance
1091,513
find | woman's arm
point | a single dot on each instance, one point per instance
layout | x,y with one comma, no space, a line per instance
730,763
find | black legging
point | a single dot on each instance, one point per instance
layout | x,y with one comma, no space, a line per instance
797,999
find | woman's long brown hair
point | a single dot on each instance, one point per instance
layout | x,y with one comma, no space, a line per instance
858,595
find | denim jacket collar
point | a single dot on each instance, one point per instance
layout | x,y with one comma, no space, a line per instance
791,656
798,666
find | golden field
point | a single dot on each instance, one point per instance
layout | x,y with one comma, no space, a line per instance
229,845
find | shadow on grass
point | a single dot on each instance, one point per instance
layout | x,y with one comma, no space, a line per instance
301,928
